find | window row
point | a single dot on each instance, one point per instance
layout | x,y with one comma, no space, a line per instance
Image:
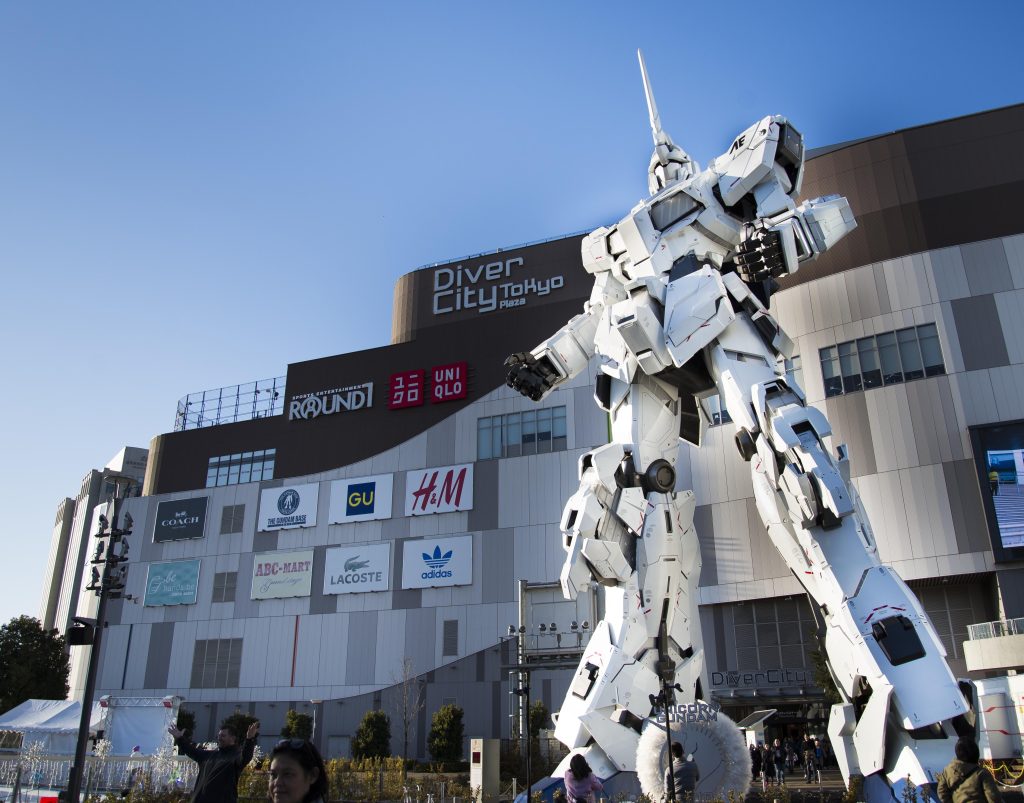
885,359
217,663
235,469
515,434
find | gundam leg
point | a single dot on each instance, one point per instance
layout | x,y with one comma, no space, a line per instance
627,529
902,707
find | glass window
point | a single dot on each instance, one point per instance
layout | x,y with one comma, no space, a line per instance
870,370
483,438
931,351
889,357
830,371
910,354
850,366
513,435
530,433
558,443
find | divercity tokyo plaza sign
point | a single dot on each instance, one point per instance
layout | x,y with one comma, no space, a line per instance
487,287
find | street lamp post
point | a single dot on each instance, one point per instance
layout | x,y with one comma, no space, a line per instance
106,584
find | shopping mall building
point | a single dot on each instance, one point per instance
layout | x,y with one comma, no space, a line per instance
308,541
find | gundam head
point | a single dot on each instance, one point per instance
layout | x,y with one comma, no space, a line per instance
670,163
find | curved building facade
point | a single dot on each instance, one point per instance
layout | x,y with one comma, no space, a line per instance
396,510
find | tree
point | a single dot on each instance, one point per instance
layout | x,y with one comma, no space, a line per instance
445,739
297,726
409,701
239,722
186,722
539,718
33,663
823,677
373,737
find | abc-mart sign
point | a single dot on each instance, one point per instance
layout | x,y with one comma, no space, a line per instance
436,562
288,507
361,499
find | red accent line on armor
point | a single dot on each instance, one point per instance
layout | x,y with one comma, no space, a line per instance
706,323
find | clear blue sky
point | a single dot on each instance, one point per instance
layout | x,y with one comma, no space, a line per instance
195,194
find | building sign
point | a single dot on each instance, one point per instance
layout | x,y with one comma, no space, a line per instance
405,389
738,679
487,287
437,562
361,499
180,519
439,490
282,574
328,402
354,569
174,583
448,382
289,506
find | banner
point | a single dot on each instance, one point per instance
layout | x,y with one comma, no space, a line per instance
289,507
180,519
174,583
438,562
439,490
282,574
361,499
354,569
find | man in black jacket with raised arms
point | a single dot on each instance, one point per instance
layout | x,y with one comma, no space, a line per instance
219,769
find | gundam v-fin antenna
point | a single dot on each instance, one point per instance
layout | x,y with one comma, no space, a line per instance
660,137
670,162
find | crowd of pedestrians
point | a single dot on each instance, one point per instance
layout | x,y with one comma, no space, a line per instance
771,763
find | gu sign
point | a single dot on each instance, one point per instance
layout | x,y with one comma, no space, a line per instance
439,490
289,506
361,499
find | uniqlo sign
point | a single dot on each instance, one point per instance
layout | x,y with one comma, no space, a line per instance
448,382
405,389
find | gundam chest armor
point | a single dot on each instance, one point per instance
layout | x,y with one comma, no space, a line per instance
679,312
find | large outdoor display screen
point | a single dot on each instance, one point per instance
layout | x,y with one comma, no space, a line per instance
999,456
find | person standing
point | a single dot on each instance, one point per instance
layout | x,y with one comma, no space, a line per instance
755,762
684,772
580,781
219,769
779,760
964,781
993,482
297,773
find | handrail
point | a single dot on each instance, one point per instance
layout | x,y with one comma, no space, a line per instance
1001,627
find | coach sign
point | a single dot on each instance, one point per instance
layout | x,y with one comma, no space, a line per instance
289,506
282,574
353,569
180,519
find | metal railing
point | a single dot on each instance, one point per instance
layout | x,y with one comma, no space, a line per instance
1002,627
210,408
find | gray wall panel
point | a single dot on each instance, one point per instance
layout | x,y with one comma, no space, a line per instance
979,332
319,602
441,442
765,558
176,613
245,606
484,515
986,267
498,548
362,631
420,637
1011,589
161,638
703,521
402,597
848,416
265,542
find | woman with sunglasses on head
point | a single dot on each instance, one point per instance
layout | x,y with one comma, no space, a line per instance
297,773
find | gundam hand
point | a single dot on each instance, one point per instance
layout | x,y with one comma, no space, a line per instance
531,376
760,256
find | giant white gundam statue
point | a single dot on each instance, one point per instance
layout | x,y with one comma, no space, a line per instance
678,313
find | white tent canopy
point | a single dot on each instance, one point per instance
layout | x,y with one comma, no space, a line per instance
127,722
52,723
